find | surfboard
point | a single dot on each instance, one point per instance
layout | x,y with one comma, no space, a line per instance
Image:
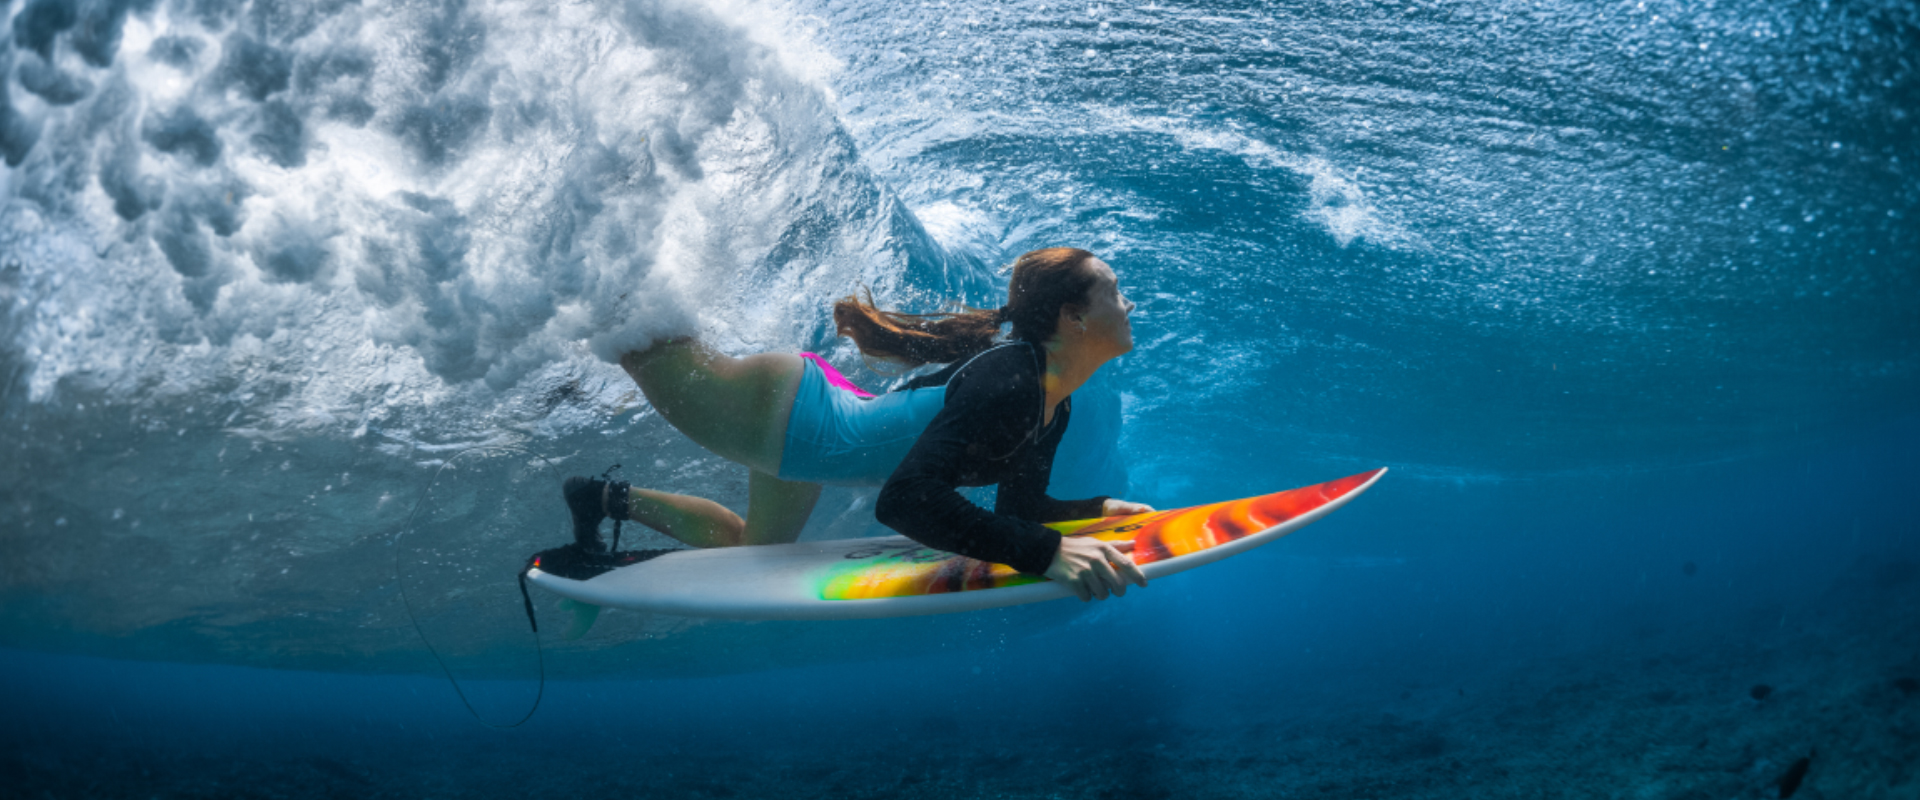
894,576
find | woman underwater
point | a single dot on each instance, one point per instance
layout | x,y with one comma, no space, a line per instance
994,415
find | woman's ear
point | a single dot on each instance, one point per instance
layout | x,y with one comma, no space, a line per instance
1074,318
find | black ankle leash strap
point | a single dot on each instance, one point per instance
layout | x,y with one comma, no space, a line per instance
615,502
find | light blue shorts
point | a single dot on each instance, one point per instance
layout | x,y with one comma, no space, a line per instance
836,436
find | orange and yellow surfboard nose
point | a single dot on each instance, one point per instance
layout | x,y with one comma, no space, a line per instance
1188,531
1156,537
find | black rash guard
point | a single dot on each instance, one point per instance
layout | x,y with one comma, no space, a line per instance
988,432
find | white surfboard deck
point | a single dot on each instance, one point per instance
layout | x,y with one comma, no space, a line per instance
786,581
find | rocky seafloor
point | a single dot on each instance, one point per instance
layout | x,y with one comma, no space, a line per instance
1822,703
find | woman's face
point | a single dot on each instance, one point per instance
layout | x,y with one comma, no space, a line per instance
1106,315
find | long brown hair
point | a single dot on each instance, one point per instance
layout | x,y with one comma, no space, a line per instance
1044,281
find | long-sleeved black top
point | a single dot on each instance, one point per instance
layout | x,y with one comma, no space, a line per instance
988,432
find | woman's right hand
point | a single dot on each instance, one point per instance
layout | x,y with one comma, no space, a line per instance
1094,569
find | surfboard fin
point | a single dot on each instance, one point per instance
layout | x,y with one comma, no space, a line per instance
577,563
583,617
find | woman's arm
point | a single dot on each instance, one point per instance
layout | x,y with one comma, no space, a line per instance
921,501
990,409
987,419
1092,568
1024,493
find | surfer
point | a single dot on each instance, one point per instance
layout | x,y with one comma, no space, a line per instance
994,415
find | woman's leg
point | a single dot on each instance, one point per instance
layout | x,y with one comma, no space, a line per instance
695,520
737,408
777,511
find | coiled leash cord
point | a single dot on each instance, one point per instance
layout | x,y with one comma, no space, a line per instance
568,561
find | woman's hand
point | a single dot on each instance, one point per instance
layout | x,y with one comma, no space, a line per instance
1121,508
1094,569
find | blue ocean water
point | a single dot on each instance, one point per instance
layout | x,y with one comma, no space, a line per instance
1623,292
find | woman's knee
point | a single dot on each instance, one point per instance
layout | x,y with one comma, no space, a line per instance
777,510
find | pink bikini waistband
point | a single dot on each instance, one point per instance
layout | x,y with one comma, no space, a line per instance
833,375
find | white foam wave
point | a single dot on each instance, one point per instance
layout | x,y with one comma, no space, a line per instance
354,206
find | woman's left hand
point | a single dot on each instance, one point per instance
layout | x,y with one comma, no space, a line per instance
1121,508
